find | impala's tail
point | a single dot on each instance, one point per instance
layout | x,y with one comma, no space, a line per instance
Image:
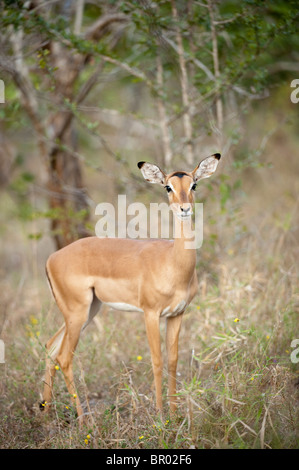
50,283
53,346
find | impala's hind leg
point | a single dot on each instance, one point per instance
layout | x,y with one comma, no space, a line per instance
52,349
60,348
77,317
65,356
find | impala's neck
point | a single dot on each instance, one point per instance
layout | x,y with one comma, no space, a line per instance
184,256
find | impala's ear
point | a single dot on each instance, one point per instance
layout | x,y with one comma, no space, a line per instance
152,173
207,167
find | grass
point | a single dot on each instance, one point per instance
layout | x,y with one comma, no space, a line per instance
237,385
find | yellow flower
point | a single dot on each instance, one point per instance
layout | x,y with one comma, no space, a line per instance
86,441
29,333
33,320
88,436
141,437
67,407
139,358
74,395
57,367
267,337
236,320
198,307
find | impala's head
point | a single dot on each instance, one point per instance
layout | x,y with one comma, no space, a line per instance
180,185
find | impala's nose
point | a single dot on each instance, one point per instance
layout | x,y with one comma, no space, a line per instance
186,210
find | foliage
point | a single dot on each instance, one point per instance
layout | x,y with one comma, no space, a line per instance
214,59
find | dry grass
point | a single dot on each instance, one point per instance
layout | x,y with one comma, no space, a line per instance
237,386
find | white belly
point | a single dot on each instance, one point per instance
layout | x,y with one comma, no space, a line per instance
124,307
167,312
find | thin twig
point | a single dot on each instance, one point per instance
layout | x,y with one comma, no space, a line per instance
219,105
79,16
163,116
184,88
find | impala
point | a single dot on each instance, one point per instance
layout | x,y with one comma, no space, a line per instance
153,276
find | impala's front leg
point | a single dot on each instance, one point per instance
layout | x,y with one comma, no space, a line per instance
172,343
152,323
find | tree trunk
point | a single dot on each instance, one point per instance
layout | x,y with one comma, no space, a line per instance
56,140
67,196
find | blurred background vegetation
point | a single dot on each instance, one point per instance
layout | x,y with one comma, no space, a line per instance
91,88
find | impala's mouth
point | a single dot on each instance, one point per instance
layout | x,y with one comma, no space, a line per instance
182,216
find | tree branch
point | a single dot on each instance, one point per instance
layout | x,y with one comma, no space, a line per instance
82,93
78,17
219,106
191,58
162,114
131,70
97,30
20,76
184,87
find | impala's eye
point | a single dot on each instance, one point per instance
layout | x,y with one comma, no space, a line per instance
168,189
194,187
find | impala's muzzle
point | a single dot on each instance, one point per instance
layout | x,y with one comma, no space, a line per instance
182,211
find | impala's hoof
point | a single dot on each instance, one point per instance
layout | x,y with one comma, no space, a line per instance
42,405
